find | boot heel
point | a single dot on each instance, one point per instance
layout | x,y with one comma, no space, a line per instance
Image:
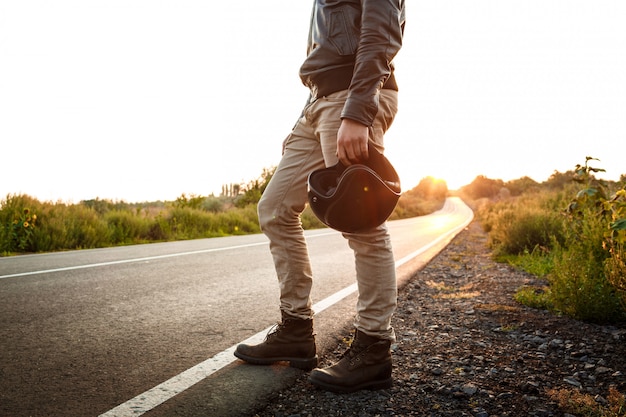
384,384
304,364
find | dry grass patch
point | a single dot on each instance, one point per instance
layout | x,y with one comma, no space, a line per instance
495,307
582,404
447,292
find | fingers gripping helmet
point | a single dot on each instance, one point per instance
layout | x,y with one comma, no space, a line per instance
357,197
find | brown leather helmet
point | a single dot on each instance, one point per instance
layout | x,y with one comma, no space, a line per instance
357,197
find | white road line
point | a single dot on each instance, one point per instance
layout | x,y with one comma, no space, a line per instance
147,258
154,397
127,261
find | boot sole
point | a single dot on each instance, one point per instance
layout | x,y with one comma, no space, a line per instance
369,385
305,364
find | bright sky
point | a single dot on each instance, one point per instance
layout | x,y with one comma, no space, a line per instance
143,100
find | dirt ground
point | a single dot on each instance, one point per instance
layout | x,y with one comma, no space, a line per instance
466,348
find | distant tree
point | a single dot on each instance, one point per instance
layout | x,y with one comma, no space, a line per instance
213,204
192,201
231,190
521,185
483,187
98,205
432,188
254,189
558,180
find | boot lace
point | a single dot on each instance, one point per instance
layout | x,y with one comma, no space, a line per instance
354,350
274,331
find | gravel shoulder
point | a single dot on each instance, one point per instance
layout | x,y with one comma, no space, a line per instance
466,348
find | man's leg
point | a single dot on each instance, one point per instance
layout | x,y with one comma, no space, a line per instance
367,364
279,211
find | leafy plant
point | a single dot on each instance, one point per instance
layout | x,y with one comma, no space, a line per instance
577,243
19,217
615,243
522,225
21,231
534,297
581,285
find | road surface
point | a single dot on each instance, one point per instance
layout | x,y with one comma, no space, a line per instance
150,329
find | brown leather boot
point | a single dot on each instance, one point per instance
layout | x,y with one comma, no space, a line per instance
291,341
366,365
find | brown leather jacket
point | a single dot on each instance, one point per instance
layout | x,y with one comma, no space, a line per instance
351,46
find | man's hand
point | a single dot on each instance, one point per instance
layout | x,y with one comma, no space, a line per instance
352,142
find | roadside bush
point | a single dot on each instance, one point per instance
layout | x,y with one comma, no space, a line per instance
70,227
213,204
538,262
521,225
28,225
576,243
615,269
578,283
309,220
530,229
18,222
482,187
534,297
159,229
521,186
188,223
615,243
583,267
126,227
238,221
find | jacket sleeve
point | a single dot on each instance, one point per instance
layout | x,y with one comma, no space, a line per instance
382,28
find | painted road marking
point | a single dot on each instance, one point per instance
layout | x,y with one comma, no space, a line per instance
144,259
154,397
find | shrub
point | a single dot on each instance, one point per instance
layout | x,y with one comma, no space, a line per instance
615,243
70,227
577,243
309,220
522,225
534,297
483,187
126,227
579,286
238,221
530,229
213,204
28,225
18,222
188,223
615,269
538,262
521,186
159,229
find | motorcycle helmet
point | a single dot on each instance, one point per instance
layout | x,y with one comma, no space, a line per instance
357,197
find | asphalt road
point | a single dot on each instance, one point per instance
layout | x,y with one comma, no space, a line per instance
149,329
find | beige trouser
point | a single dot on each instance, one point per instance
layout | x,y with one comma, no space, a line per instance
313,145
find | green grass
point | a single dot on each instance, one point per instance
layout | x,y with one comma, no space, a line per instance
571,237
28,225
535,297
